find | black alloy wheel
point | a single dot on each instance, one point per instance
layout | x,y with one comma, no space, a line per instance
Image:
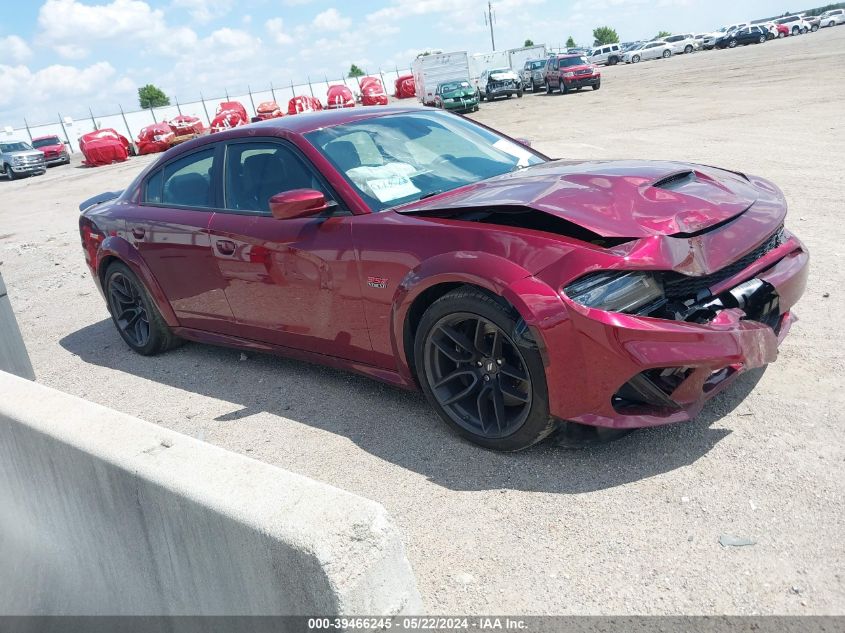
134,313
128,309
482,371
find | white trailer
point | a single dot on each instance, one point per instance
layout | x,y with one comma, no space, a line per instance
480,62
431,70
518,56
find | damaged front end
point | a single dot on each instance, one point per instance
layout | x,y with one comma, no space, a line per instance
660,343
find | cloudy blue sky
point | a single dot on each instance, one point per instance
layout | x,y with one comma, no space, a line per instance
66,55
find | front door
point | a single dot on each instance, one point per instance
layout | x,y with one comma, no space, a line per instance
290,282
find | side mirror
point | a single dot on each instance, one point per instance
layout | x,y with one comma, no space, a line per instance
523,141
297,203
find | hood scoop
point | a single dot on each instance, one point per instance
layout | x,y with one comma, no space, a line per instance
674,181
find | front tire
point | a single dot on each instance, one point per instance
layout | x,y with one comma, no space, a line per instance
814,28
688,49
795,30
732,44
548,87
134,313
667,54
597,85
635,59
8,172
762,39
481,369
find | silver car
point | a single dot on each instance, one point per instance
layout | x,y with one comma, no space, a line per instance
532,74
18,158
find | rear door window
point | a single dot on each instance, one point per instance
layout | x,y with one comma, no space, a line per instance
184,182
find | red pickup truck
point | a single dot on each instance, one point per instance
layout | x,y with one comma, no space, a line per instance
568,72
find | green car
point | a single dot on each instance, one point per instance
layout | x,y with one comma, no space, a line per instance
456,96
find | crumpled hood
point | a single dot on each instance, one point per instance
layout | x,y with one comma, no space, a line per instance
467,93
504,76
631,199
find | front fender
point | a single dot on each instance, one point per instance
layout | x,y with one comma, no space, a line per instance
536,302
117,247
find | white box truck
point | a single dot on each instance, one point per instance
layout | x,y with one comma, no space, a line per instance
518,56
431,70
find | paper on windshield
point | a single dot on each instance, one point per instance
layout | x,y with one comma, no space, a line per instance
520,153
387,182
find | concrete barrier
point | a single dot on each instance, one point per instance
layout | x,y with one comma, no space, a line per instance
105,514
13,356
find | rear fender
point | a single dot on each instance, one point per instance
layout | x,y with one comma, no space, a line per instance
117,247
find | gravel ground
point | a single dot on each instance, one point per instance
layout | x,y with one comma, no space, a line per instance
628,528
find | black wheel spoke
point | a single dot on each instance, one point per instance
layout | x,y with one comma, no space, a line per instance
514,372
499,408
473,385
460,339
513,392
455,374
447,347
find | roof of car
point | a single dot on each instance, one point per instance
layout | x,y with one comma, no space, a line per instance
41,138
310,121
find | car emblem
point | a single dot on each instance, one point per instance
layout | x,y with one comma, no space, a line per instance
491,366
377,282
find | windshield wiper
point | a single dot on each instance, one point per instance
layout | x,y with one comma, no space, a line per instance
430,194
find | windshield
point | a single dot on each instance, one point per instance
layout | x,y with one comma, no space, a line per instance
18,146
538,64
399,158
44,142
499,71
572,61
454,85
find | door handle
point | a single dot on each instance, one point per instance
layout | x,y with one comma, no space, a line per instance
139,232
225,247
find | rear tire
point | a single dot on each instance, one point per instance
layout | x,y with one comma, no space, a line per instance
519,94
135,314
612,61
548,87
498,405
795,30
814,28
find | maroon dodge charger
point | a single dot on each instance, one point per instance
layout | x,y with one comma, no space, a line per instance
521,294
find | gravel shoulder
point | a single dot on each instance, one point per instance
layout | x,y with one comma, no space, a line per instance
629,528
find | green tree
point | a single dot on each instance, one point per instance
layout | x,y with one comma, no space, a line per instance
151,96
570,43
354,71
604,35
529,43
662,34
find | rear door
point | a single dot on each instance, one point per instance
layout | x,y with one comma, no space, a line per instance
169,228
290,282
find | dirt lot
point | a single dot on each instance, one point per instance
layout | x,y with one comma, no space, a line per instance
631,527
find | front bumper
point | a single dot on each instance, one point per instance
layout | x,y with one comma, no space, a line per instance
464,105
594,356
58,159
31,168
580,82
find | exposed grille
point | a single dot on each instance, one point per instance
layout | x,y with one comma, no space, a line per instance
678,286
586,71
31,160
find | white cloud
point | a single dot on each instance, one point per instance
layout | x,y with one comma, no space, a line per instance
276,29
72,29
28,91
15,48
331,20
205,10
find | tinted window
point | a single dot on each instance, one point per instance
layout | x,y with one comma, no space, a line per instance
255,172
186,181
572,61
152,190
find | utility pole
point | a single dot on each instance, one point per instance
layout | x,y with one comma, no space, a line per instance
488,19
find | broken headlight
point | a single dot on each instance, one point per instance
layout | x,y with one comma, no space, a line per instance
616,291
